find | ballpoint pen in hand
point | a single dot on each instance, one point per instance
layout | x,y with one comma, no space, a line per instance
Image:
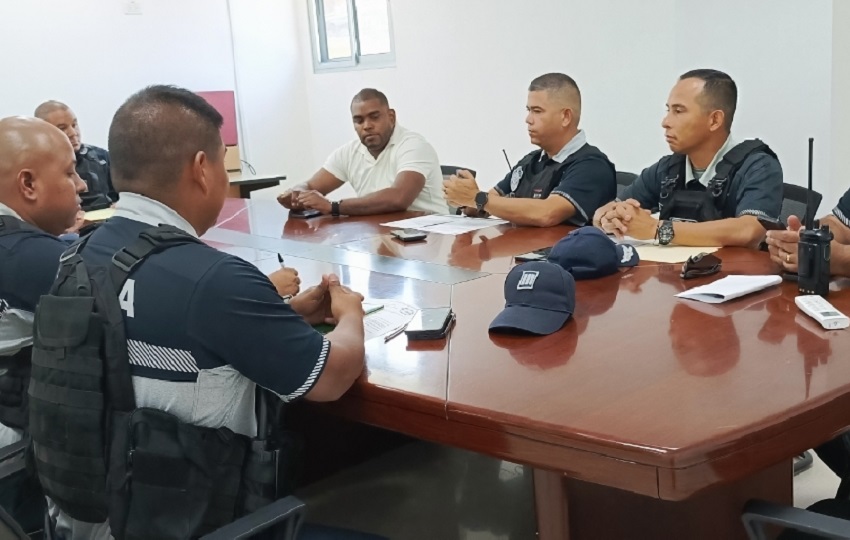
280,260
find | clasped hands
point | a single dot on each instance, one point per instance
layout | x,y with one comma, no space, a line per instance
308,199
322,303
460,189
622,218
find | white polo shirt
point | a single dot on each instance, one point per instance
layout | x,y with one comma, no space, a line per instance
406,151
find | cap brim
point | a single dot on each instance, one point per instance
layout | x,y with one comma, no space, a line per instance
627,255
528,319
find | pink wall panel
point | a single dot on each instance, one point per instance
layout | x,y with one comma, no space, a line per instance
224,102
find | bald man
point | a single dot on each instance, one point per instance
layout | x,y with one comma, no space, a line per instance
38,201
563,182
92,161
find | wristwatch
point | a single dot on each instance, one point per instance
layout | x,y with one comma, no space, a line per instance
335,208
481,199
664,233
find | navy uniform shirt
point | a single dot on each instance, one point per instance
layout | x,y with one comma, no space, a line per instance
756,188
587,183
29,260
93,168
842,209
203,327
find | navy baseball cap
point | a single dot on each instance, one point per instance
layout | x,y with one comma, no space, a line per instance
588,253
539,298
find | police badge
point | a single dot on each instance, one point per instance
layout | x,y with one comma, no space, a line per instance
515,178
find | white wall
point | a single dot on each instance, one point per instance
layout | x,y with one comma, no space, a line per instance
463,68
92,56
271,89
840,109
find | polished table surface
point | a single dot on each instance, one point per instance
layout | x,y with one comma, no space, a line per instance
665,399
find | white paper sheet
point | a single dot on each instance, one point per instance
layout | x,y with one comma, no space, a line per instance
393,316
670,254
729,288
445,224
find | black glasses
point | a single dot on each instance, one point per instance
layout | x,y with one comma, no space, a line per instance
700,265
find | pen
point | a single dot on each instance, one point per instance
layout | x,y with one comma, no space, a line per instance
395,332
280,260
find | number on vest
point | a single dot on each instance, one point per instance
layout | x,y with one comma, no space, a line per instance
128,293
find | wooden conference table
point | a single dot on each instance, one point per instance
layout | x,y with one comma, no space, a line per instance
644,417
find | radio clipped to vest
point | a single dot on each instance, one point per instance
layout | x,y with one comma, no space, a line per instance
677,203
98,456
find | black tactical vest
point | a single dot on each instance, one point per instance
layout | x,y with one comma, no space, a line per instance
676,202
526,184
100,457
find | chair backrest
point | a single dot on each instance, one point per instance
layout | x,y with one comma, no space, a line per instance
794,202
449,170
624,180
9,528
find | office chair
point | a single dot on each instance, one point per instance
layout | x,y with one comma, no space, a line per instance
794,202
9,528
829,518
624,180
448,170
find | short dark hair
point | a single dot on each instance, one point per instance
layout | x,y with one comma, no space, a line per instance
48,107
156,132
719,93
554,82
561,86
368,94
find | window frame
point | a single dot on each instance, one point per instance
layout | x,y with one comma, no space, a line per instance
318,40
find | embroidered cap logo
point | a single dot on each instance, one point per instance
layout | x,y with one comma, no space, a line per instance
526,281
628,253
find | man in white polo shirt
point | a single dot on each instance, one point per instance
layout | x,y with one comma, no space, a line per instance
391,169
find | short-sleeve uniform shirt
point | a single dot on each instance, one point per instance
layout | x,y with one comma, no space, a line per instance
406,151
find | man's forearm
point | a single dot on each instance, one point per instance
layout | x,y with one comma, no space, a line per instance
381,202
532,212
840,232
839,262
744,231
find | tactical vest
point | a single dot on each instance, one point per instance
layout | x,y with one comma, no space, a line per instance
100,457
676,202
15,369
526,184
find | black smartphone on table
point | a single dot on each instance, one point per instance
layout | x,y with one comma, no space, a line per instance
409,235
431,323
304,214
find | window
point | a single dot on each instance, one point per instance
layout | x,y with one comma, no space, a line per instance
351,34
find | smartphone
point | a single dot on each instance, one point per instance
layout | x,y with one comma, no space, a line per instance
431,323
537,255
304,214
409,235
771,225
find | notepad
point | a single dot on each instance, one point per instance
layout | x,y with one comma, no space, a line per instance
729,288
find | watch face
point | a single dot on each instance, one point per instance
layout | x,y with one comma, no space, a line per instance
481,198
665,233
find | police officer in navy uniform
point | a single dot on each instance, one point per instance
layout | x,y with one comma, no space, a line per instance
92,161
711,177
38,201
565,181
204,328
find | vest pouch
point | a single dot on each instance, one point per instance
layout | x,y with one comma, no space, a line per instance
179,481
694,206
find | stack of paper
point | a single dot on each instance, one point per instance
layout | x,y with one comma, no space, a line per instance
445,224
729,287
